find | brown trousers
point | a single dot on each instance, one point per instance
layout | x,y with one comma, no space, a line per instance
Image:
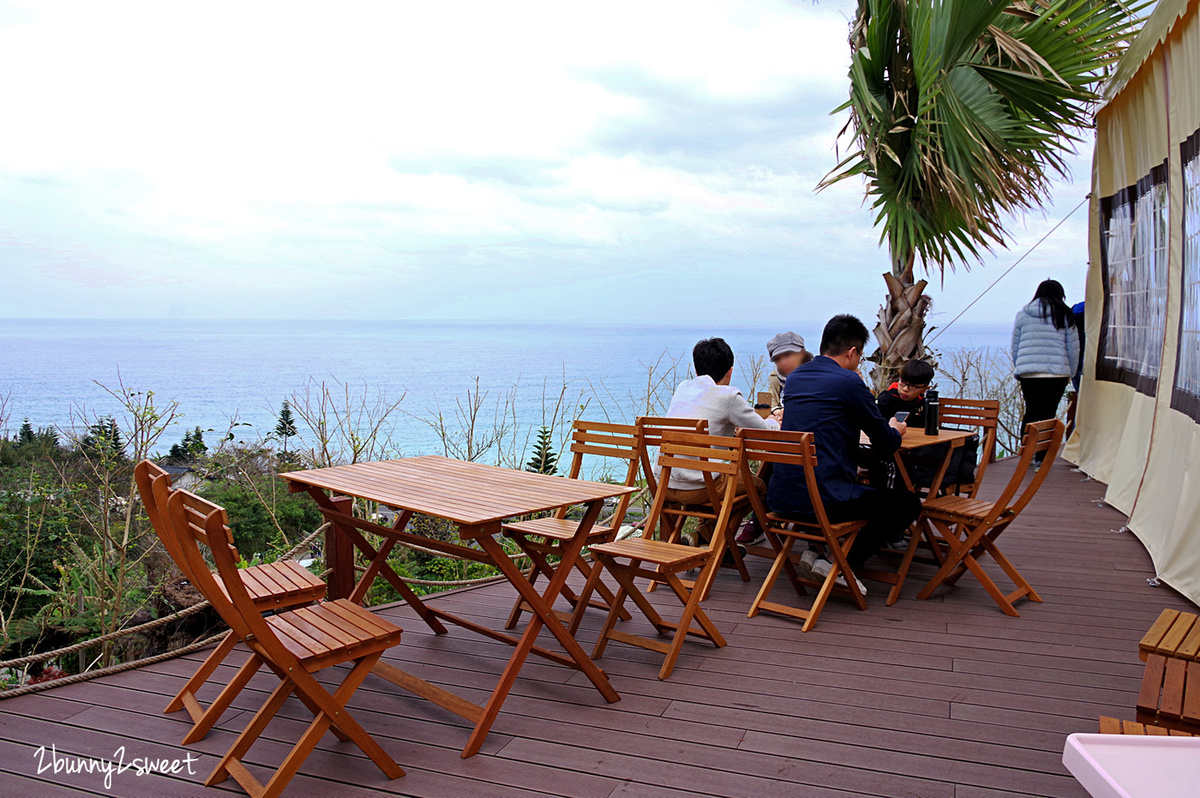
699,496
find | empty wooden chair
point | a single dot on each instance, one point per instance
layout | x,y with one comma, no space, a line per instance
294,644
983,414
544,537
673,515
663,561
272,586
969,527
798,449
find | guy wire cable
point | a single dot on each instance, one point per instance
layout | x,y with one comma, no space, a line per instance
1028,252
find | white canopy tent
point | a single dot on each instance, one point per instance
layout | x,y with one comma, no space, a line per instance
1139,406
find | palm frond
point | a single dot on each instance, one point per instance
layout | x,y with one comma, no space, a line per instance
962,112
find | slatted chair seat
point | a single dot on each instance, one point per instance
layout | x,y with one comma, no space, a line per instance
1174,634
271,586
1115,726
556,528
968,529
330,633
657,552
1170,693
541,538
285,583
960,508
293,644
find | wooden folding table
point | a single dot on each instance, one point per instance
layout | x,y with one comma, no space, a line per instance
477,498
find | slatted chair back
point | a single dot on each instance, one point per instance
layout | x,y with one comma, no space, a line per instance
1040,437
713,457
614,441
200,525
785,448
650,432
146,474
983,414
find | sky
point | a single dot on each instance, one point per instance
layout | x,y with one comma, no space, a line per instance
453,160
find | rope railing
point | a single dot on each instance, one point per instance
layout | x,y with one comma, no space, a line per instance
123,666
142,627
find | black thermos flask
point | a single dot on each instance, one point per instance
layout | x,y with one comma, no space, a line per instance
931,412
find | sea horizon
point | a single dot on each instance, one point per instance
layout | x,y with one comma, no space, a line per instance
226,371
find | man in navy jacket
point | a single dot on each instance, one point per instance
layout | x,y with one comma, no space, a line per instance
828,398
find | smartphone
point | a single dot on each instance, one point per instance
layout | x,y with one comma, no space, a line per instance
902,416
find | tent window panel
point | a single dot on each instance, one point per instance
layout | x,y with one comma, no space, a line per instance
1186,396
1134,268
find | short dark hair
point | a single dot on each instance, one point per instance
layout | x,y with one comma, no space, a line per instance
842,332
917,372
713,357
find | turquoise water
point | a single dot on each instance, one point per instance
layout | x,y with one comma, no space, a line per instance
222,370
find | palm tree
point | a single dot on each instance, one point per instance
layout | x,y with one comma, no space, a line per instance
961,112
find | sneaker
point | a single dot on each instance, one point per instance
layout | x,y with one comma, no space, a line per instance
841,582
750,534
821,567
807,559
728,562
897,546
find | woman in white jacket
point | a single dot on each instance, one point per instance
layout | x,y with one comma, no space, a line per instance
1045,351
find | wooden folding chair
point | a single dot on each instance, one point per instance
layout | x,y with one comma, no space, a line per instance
797,449
294,644
272,586
662,561
983,414
969,527
544,537
673,516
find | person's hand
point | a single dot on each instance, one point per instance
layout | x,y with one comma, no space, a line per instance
778,415
899,426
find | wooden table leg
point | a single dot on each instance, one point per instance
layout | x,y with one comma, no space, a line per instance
540,604
339,552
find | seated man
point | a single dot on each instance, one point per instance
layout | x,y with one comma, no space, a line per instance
710,396
828,398
786,351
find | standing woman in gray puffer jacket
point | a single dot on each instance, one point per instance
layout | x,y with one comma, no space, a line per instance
1045,351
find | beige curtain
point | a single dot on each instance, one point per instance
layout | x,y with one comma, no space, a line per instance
1147,452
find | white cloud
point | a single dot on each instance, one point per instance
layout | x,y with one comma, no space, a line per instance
380,158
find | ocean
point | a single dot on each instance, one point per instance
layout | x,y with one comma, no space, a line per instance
222,372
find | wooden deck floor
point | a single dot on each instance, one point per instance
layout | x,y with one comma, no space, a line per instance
945,698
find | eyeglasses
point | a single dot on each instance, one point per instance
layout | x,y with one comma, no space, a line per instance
912,387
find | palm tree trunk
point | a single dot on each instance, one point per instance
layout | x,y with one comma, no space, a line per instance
901,328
